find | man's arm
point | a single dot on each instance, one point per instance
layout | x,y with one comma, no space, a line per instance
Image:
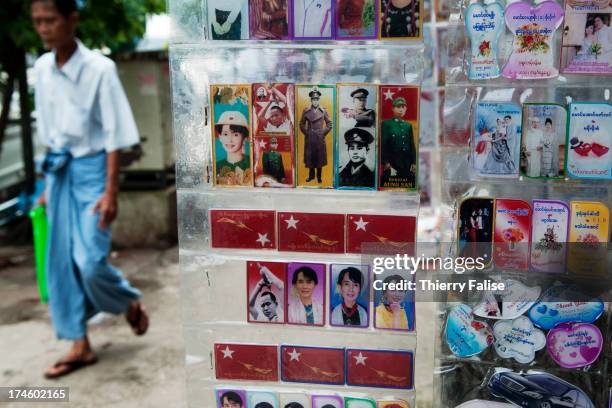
107,204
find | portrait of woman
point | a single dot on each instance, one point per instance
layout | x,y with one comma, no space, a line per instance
307,296
394,308
349,297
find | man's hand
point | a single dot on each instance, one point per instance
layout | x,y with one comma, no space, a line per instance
42,200
107,208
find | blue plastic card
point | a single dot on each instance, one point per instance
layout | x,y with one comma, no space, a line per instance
565,304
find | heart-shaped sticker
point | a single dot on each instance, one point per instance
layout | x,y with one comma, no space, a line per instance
484,24
518,339
465,336
533,29
574,345
514,301
565,304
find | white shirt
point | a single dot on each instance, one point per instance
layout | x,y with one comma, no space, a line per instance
297,313
82,106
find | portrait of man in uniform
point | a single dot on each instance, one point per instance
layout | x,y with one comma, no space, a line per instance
316,126
356,173
273,162
398,151
356,149
363,116
273,113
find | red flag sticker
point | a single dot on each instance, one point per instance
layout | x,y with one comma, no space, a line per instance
243,229
311,232
385,234
319,365
379,368
246,362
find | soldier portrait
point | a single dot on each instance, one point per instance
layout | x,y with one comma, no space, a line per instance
398,152
273,129
231,133
356,144
315,135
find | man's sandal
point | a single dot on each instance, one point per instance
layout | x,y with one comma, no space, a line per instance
140,322
71,366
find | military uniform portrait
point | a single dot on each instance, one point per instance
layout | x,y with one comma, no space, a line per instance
231,135
356,144
273,130
398,145
315,141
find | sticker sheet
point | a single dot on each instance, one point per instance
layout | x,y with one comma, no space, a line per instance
311,232
231,135
475,228
393,309
356,19
588,237
273,135
266,283
590,138
380,234
544,141
484,24
356,141
228,19
243,229
247,362
315,108
496,140
313,19
380,368
587,39
549,230
318,365
306,295
349,295
262,399
401,19
512,232
399,137
533,28
269,20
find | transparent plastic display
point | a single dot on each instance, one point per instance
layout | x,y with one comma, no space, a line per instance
214,281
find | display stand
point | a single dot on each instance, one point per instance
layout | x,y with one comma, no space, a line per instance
215,291
489,378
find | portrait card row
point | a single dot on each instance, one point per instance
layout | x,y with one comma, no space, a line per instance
542,140
311,232
315,365
241,398
517,235
297,293
345,136
314,20
586,40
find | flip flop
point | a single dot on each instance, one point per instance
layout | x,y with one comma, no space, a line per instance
140,323
73,365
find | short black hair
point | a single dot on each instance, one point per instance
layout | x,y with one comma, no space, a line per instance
308,273
507,117
328,406
234,128
294,405
394,278
548,120
277,107
65,7
264,405
354,274
272,297
231,396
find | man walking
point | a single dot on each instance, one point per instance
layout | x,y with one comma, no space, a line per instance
83,119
